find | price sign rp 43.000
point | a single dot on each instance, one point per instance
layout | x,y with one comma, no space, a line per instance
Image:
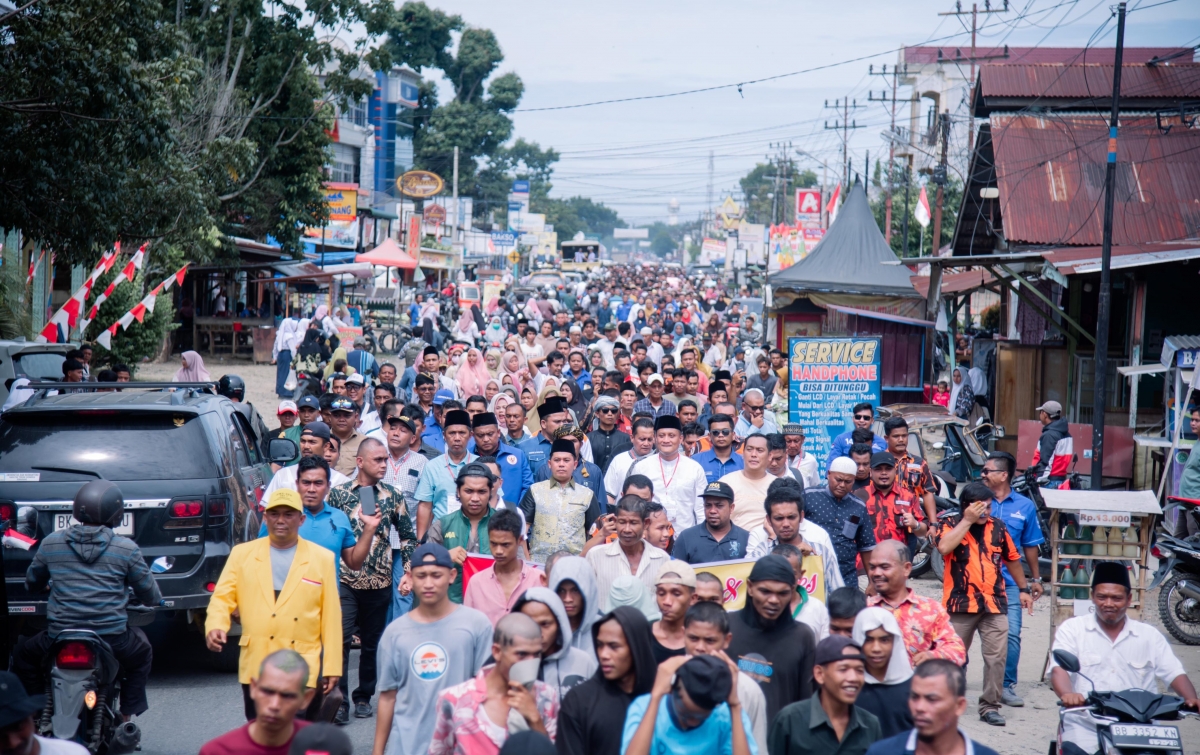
1105,518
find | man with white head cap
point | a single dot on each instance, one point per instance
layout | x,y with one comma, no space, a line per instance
889,674
842,515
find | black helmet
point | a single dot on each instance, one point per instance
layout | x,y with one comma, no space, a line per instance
99,502
233,387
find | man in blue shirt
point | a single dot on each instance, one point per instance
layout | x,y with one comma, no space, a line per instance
693,709
863,416
552,414
938,696
323,524
514,465
754,419
721,459
1019,515
433,433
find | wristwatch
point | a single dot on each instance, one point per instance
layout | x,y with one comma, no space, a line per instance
1024,590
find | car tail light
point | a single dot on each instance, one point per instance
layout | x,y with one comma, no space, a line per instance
8,512
211,587
218,506
75,655
186,509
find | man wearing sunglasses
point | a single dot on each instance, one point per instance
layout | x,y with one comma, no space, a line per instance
755,419
721,459
606,440
864,417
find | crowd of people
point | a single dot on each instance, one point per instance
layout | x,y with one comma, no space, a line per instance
521,540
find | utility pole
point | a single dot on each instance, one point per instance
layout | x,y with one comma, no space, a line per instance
782,164
454,221
974,13
846,125
889,187
907,210
939,178
709,207
1100,380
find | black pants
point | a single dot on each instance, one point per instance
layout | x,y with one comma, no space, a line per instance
131,649
366,611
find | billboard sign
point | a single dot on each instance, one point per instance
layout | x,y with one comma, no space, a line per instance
631,233
808,207
827,377
520,186
420,184
504,239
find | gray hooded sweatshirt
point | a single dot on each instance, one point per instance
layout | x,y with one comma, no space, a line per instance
576,569
567,666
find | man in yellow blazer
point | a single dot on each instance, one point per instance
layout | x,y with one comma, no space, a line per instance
286,592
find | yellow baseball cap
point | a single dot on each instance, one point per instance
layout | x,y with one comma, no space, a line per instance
286,497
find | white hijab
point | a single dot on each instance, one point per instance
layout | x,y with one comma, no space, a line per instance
899,670
955,388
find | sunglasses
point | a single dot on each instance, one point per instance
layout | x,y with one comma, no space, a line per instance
720,432
864,417
754,409
606,410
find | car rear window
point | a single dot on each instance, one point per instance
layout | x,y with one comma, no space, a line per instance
39,364
120,446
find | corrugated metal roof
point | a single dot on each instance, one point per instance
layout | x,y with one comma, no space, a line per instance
1059,86
925,55
1172,344
1050,171
954,283
1087,259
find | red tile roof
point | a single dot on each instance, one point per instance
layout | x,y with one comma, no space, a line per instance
1050,170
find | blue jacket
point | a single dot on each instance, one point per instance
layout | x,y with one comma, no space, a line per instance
515,472
92,570
434,436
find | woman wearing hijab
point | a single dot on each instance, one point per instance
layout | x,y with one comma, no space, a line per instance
889,674
281,354
338,354
532,423
466,329
472,375
575,402
494,335
192,369
498,403
308,360
492,360
591,720
511,367
628,590
962,397
491,389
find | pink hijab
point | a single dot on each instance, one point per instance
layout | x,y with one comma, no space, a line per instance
510,364
472,379
194,372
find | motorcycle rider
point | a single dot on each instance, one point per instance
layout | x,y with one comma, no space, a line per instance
1115,653
1056,450
92,570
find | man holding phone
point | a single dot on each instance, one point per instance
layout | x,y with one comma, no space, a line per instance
366,593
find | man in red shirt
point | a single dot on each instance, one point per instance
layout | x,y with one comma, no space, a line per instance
278,694
895,512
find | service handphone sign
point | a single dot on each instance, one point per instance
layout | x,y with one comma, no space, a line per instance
828,376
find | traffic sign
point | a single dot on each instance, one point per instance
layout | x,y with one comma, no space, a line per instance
514,256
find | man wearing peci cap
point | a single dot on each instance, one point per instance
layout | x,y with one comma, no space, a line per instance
829,723
436,488
693,709
717,538
513,463
558,511
1115,653
798,458
285,589
17,723
314,440
678,481
435,646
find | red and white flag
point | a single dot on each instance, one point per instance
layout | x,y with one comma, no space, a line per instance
831,209
141,309
127,273
33,266
921,211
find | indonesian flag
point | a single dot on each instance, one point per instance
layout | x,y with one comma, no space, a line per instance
921,211
14,539
105,336
127,273
831,209
33,266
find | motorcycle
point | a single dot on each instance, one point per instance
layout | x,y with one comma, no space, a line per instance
84,679
1179,574
1127,722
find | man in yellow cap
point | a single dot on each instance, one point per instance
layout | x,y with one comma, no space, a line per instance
285,590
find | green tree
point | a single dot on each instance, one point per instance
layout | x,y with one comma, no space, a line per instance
918,244
759,187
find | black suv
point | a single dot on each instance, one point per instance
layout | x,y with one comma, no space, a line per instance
191,466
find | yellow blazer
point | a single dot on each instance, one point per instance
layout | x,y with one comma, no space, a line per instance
307,616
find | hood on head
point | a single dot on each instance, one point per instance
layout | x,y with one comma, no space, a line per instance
576,569
89,541
637,633
868,619
550,599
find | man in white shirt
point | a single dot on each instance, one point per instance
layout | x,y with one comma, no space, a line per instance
606,345
314,441
806,463
629,554
1115,653
654,350
642,439
679,481
785,502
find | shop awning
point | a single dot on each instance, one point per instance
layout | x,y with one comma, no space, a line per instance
388,254
880,316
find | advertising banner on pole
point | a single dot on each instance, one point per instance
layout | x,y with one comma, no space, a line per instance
827,377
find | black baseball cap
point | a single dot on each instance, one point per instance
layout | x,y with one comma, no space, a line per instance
316,429
432,554
883,459
707,680
403,421
718,489
15,704
833,649
309,402
342,404
320,739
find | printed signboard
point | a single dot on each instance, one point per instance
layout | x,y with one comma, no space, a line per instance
828,376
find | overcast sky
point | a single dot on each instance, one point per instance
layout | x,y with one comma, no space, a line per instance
637,156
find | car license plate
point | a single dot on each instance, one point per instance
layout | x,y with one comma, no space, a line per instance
1151,737
62,521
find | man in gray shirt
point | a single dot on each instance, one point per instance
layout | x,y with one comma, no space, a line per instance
435,646
765,380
